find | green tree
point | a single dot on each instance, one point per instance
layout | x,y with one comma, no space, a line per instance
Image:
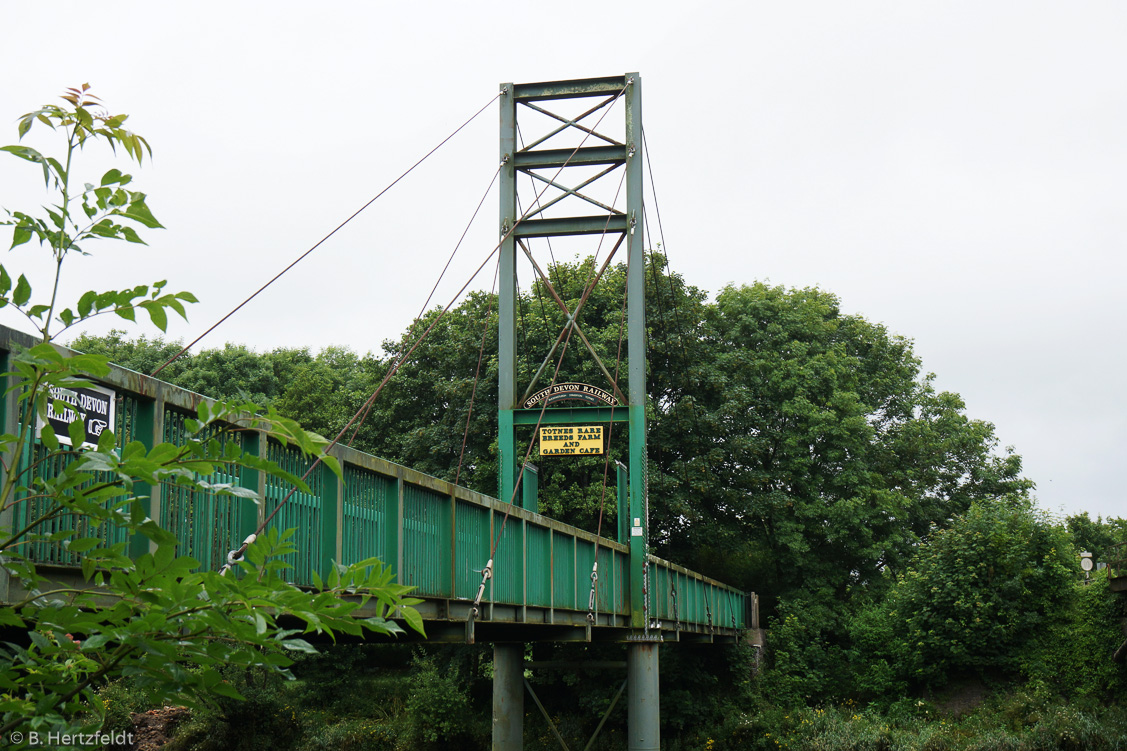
143,355
155,617
813,447
1096,537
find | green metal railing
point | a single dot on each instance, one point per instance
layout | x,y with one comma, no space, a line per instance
206,523
436,536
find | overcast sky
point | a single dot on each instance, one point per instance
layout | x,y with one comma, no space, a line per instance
953,170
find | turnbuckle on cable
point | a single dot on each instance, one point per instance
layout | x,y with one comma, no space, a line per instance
486,575
591,598
236,556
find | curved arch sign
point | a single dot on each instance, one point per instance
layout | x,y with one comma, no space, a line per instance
582,392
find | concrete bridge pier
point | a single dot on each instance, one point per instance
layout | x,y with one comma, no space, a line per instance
643,723
508,697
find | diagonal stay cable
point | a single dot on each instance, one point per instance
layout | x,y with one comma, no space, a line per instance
461,239
606,472
676,307
494,543
236,555
318,244
433,289
477,373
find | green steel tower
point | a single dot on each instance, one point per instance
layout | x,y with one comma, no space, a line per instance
567,203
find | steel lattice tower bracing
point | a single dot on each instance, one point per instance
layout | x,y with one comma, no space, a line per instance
581,191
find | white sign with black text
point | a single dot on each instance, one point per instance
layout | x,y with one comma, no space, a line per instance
97,406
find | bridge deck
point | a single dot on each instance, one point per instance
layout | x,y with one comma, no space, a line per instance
434,534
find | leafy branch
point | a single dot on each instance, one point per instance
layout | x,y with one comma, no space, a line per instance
155,616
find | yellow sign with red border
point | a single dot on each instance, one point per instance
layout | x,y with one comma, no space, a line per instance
571,440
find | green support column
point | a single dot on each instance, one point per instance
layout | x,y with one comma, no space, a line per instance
252,480
530,488
636,350
508,697
507,300
390,528
145,429
329,516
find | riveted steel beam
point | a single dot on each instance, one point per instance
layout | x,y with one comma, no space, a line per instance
584,157
571,225
530,92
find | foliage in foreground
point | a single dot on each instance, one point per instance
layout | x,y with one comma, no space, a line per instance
80,496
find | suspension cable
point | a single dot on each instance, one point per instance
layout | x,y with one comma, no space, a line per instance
477,373
461,239
237,555
326,237
449,260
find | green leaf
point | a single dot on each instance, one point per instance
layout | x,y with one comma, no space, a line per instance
111,177
86,303
226,689
77,432
60,173
299,645
31,155
95,642
82,544
20,235
131,235
138,211
48,438
24,152
23,292
157,314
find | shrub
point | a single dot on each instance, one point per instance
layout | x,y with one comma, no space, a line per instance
438,705
974,596
1072,656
